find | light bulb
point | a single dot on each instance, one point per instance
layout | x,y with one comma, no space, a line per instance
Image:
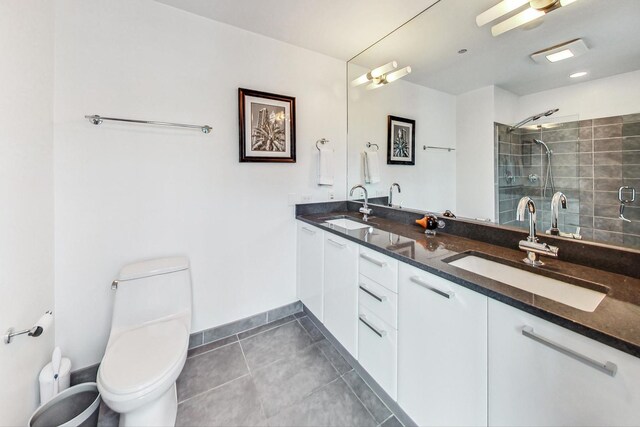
521,18
398,74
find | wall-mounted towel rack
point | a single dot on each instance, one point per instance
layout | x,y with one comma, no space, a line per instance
96,120
369,145
321,141
424,147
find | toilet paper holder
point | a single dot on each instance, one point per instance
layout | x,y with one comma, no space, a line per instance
35,331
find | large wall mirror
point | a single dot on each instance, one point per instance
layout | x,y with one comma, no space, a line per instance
505,99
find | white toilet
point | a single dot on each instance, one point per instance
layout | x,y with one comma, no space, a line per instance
148,342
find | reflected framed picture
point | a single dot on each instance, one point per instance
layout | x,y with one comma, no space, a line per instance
401,141
267,127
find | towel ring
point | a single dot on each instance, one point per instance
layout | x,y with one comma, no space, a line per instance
369,145
321,141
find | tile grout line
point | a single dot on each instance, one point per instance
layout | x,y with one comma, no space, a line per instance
214,349
360,400
244,356
238,337
213,388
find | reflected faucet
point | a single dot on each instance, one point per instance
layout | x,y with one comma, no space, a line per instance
364,210
395,184
559,199
532,246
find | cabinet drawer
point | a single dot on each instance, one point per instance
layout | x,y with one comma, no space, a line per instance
379,268
377,350
379,300
435,284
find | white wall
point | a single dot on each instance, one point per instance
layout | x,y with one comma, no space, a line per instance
126,192
26,197
430,183
611,96
474,155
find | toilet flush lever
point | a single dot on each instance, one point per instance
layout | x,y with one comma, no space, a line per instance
114,285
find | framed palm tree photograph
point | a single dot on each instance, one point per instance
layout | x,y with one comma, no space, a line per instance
267,127
401,141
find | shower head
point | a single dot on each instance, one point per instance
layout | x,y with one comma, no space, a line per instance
546,147
533,118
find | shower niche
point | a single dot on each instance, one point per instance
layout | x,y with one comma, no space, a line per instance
595,163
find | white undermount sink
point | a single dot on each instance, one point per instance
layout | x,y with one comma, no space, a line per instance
347,224
572,295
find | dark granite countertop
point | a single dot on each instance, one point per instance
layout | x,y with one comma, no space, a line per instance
615,322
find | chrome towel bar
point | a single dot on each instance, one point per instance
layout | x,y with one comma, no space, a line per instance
96,120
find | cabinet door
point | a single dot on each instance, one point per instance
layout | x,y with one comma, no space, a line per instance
309,269
549,376
341,290
442,351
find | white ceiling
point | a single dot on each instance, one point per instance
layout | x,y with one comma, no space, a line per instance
429,43
338,28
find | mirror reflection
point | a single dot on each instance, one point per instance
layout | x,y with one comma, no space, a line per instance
471,106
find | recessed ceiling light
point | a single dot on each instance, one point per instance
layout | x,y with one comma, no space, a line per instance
559,56
580,74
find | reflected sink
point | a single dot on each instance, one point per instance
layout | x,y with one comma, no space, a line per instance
566,293
347,224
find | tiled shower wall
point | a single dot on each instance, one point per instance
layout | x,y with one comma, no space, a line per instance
591,160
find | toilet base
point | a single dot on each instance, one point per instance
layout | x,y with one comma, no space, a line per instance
160,412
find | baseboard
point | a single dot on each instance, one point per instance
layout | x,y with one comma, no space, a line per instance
377,389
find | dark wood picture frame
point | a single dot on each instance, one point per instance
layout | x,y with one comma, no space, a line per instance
286,132
410,146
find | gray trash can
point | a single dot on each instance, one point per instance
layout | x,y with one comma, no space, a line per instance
77,406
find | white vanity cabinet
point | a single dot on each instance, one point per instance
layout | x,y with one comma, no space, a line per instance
310,267
442,350
550,376
341,291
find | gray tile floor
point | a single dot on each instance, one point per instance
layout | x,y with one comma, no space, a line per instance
284,373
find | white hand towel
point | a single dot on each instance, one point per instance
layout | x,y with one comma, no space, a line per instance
325,167
371,167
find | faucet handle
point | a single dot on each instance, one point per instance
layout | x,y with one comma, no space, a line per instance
365,211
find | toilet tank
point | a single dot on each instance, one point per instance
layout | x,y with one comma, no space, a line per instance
152,290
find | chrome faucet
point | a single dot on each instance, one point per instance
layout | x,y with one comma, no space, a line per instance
532,246
395,184
364,210
559,199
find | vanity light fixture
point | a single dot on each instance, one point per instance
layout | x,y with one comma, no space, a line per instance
382,75
389,78
578,74
536,9
570,49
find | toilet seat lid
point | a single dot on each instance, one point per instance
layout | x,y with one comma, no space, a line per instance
140,357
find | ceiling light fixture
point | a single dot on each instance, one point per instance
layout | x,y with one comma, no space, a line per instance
570,49
382,75
559,56
536,9
578,74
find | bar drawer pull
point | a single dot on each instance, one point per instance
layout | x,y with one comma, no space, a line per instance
371,293
308,230
377,331
338,244
608,368
418,281
373,260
